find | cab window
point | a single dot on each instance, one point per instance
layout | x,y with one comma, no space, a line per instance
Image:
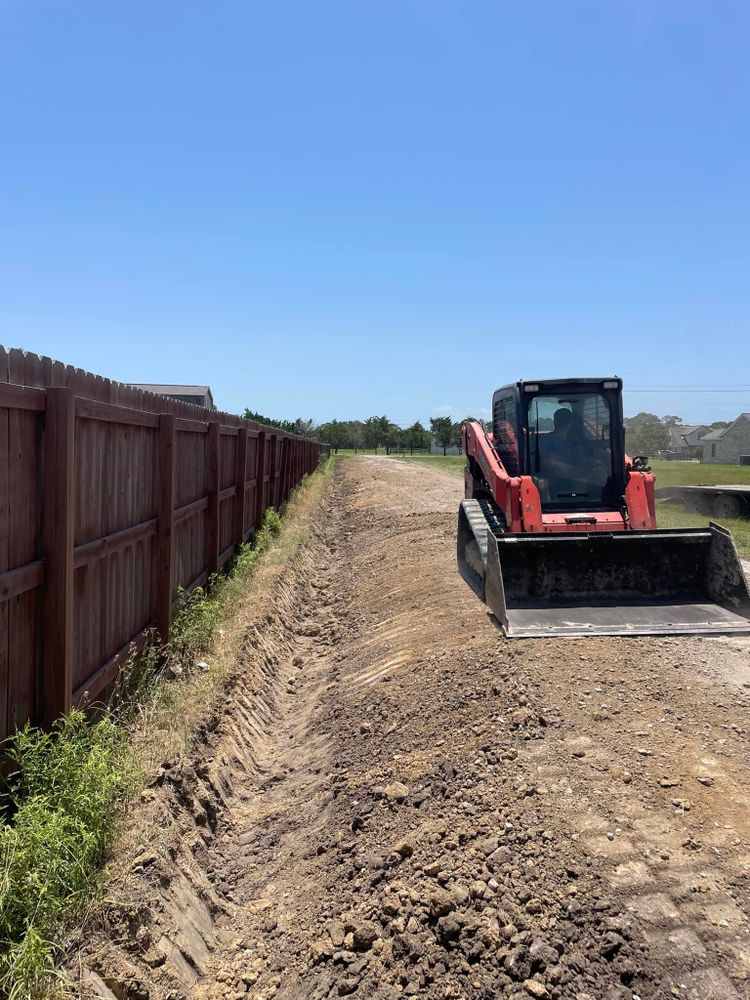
504,432
570,453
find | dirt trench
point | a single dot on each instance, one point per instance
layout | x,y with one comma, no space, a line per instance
395,801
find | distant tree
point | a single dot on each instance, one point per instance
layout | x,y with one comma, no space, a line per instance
392,437
356,437
443,429
377,431
645,434
306,428
336,433
401,442
372,433
672,421
417,437
720,424
284,425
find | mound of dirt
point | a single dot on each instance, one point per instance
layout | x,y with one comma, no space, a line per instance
394,801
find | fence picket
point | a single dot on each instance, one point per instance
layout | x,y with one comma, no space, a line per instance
59,457
165,537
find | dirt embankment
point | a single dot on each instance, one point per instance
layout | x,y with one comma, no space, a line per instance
395,801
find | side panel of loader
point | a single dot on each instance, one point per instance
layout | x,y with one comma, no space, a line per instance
624,583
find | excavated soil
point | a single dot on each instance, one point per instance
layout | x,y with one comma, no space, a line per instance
394,801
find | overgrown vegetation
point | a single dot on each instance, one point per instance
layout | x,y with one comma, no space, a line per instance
200,614
66,790
196,624
305,428
61,807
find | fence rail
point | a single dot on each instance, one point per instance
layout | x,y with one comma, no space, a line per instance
111,499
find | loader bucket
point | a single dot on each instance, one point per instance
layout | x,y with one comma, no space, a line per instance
677,581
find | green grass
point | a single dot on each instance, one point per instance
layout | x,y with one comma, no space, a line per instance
446,463
63,802
348,452
200,615
697,474
197,621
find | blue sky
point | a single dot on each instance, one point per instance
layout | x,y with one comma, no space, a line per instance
333,209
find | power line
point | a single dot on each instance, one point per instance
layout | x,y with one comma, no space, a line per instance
665,390
685,385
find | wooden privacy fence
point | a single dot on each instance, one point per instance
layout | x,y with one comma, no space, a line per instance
110,500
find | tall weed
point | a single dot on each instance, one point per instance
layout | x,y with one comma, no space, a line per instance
61,807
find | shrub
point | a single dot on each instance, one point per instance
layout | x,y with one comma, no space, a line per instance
196,621
272,521
62,805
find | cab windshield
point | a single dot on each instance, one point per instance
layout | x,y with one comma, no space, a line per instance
570,451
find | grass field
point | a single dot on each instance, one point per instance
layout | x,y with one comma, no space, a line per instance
695,474
668,515
347,452
449,463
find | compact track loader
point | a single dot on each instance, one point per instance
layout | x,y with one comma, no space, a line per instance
558,534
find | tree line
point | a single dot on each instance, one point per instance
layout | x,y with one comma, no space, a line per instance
647,434
373,433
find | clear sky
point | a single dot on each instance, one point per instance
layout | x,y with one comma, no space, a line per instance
333,209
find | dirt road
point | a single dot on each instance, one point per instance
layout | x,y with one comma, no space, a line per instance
395,801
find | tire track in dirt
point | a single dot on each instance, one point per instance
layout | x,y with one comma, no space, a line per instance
420,807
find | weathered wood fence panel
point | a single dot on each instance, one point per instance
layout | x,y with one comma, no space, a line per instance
111,499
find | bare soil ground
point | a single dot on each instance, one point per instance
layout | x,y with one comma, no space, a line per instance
396,801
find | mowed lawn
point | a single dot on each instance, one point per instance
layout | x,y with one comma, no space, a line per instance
668,515
696,474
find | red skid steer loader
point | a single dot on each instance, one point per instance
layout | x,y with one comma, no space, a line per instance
558,534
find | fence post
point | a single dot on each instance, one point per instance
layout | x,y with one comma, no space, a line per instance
240,478
212,522
56,688
272,471
260,477
285,443
164,537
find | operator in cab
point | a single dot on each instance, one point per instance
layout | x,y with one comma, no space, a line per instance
570,460
559,449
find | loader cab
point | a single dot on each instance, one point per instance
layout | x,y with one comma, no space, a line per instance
568,436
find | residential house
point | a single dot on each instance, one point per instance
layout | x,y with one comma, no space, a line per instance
199,395
728,445
684,439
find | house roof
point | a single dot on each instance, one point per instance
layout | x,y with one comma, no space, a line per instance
719,432
678,433
173,390
686,429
